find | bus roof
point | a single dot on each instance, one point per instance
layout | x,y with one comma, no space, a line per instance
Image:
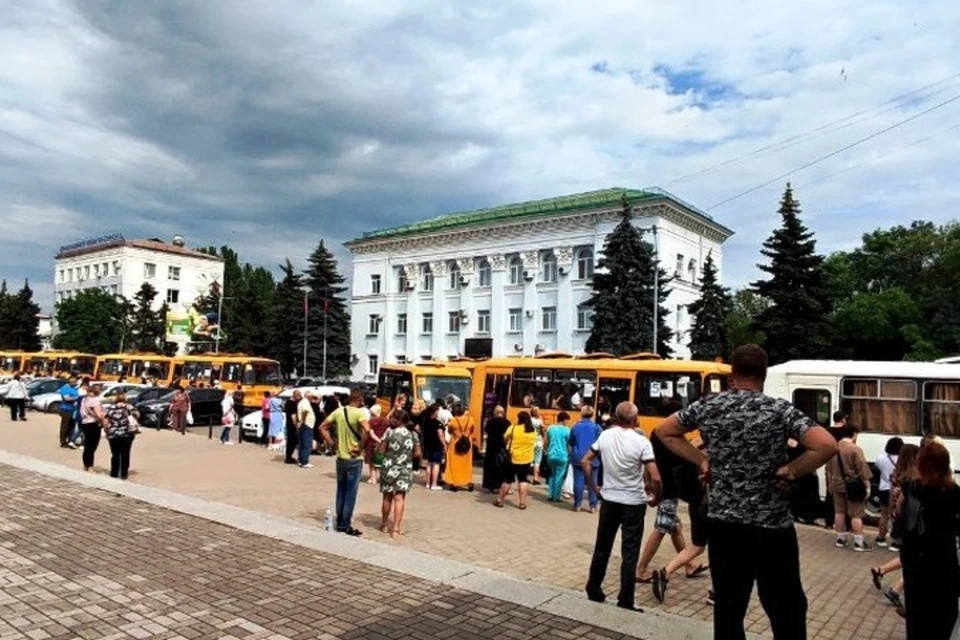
134,356
453,369
639,363
867,369
223,357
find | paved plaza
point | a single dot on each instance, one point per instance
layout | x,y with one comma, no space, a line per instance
547,544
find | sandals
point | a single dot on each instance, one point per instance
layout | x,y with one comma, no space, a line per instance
498,504
699,571
660,583
877,575
644,580
522,507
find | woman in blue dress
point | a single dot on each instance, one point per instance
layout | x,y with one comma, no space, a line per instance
276,420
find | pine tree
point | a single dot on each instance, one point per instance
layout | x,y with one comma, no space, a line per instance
285,321
19,324
622,299
147,326
327,315
708,336
795,323
6,319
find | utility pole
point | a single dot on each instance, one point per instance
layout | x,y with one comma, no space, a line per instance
326,304
306,323
216,338
656,287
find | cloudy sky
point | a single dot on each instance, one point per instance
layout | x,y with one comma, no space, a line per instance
268,125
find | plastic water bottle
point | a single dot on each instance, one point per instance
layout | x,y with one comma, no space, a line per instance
328,520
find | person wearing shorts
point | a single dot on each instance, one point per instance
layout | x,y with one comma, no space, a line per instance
520,441
667,522
848,465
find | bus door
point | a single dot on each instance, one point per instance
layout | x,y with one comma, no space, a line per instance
815,401
496,391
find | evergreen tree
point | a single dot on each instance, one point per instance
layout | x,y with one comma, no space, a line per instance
796,323
285,321
622,299
91,321
147,326
19,324
708,336
256,290
328,315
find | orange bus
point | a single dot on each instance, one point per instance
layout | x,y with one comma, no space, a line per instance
134,367
229,369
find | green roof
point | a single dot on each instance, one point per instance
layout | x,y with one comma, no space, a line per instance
590,200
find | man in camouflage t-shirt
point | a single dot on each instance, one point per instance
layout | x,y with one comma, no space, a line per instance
745,463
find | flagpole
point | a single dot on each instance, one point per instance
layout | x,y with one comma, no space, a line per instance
326,305
306,321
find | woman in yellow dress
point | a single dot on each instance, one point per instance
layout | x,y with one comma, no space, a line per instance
459,472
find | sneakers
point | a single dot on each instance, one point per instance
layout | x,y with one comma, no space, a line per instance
306,466
70,445
894,547
893,596
660,583
881,542
226,442
710,598
841,543
436,488
860,547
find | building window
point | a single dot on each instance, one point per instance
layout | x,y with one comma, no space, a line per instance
116,267
86,272
483,273
402,324
62,275
113,289
692,270
584,264
548,267
516,270
679,269
173,273
96,271
105,269
584,318
680,319
427,328
453,322
149,270
373,365
401,281
401,359
548,319
427,278
375,284
516,320
173,296
483,321
373,324
454,276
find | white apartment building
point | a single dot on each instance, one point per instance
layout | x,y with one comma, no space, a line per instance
119,266
515,276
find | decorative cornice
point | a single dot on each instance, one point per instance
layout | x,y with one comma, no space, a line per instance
439,268
498,262
411,272
531,260
564,256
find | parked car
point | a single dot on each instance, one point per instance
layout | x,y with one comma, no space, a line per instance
250,424
127,388
146,394
50,402
42,386
204,405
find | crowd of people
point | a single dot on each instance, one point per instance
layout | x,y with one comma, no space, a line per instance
744,463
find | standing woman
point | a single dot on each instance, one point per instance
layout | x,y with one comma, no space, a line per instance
930,520
120,429
265,419
886,463
17,398
496,429
557,446
92,421
378,426
399,447
459,472
538,447
435,446
179,408
521,440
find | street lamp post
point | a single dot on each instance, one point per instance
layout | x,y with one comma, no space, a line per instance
656,284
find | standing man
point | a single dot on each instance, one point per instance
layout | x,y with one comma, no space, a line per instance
352,434
751,532
290,409
626,454
69,396
582,436
17,398
307,419
848,481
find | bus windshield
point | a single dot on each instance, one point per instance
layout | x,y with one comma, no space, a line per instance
10,363
261,373
432,388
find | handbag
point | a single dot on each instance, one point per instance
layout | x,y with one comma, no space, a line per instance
911,519
505,456
856,490
463,445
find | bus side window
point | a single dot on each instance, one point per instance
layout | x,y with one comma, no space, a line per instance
815,403
610,393
941,409
531,387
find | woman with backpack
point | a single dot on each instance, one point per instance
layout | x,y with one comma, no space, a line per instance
459,471
929,526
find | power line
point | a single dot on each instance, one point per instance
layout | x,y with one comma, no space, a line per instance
795,138
836,152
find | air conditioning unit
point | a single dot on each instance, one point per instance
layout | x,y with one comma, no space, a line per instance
464,320
530,313
563,270
517,346
464,281
528,276
464,316
410,285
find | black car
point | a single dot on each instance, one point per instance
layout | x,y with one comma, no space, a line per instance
147,394
204,405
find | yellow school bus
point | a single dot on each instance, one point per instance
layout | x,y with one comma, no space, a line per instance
59,363
134,367
12,362
255,374
560,382
429,381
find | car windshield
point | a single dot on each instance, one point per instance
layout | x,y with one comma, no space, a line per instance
451,389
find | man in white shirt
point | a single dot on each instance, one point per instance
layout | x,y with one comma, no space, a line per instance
627,455
229,418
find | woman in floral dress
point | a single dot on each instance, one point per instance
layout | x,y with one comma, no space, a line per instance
399,447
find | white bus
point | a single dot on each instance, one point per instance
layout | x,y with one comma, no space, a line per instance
883,399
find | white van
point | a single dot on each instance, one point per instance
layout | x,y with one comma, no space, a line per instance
883,399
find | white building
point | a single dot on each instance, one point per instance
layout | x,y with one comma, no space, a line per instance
45,331
120,267
517,275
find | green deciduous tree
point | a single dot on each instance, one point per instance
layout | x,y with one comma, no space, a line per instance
796,323
19,324
91,321
708,335
328,315
876,326
623,293
741,320
285,322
